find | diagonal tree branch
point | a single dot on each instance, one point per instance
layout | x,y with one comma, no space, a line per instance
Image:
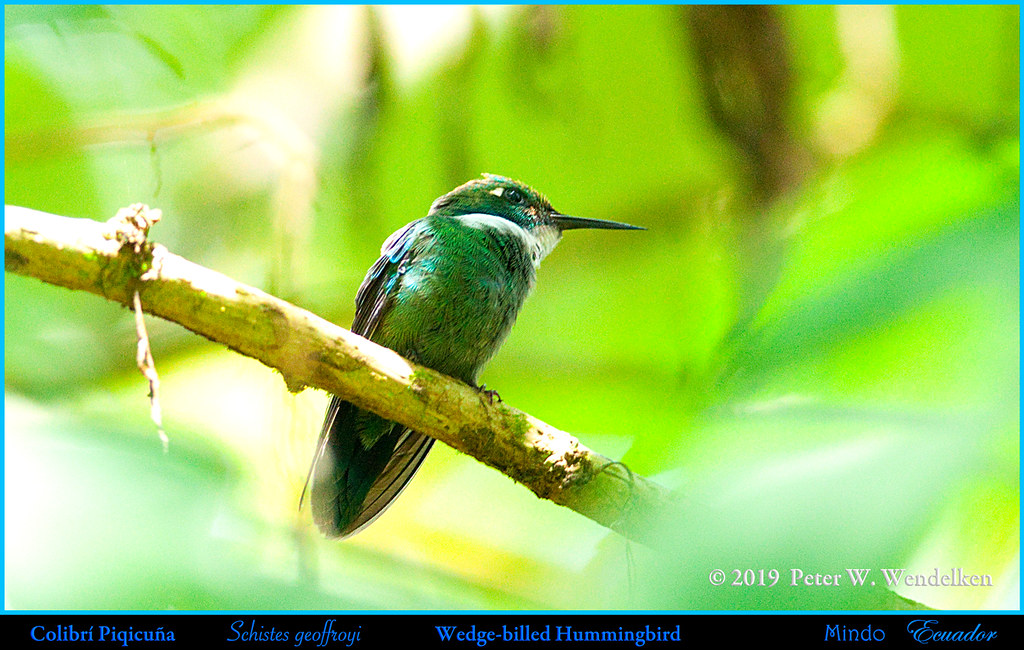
107,260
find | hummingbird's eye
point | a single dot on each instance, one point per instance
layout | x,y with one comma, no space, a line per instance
514,196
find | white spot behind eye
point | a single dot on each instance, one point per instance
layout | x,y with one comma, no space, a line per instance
498,191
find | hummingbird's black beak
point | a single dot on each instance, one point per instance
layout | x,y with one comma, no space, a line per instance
565,222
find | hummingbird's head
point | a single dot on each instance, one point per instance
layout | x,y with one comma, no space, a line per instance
497,196
516,202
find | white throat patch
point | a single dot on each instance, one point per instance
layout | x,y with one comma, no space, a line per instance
540,241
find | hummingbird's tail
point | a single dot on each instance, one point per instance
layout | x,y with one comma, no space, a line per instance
363,462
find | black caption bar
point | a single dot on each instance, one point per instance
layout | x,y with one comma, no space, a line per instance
508,630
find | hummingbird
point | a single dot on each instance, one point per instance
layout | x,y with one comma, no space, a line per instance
444,293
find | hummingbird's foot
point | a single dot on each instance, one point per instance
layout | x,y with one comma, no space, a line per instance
490,394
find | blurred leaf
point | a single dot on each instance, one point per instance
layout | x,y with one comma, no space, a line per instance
938,77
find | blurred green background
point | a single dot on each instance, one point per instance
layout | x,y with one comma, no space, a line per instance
816,341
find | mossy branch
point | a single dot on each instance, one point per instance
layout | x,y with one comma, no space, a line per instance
106,259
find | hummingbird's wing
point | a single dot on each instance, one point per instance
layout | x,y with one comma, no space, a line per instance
378,287
363,461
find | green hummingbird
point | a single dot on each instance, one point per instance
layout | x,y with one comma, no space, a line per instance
444,293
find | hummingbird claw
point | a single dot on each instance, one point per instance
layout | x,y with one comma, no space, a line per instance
490,394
